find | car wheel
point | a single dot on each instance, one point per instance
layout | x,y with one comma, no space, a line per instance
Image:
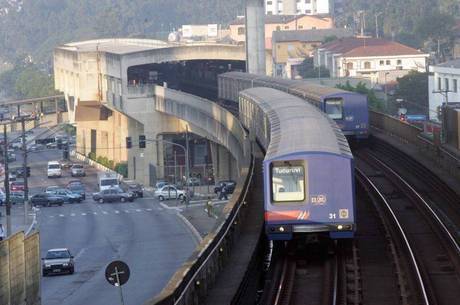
123,199
161,198
60,204
72,270
180,196
44,273
101,200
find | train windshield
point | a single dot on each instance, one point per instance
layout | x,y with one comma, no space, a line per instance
334,108
288,182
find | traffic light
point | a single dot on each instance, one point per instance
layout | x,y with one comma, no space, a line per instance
141,141
28,171
129,143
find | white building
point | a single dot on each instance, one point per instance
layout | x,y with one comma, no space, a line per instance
443,85
379,60
296,7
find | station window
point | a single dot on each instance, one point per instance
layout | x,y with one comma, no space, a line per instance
334,108
446,84
288,181
439,83
454,85
241,31
382,62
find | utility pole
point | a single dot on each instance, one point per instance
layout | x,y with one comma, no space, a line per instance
7,182
187,167
24,167
444,93
377,24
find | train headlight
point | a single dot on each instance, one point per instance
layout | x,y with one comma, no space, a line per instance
281,229
339,227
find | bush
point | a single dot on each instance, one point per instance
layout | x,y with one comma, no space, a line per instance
92,156
122,169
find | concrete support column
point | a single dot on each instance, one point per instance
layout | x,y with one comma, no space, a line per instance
224,163
56,108
255,37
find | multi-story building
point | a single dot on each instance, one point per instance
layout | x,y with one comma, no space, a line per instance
293,7
443,86
280,23
379,60
294,46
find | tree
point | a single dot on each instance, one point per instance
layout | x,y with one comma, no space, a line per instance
374,101
308,70
413,89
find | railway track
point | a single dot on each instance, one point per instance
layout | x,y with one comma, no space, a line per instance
425,254
437,194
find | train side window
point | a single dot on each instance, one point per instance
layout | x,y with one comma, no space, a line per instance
334,108
288,182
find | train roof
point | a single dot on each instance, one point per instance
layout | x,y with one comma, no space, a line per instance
303,87
297,126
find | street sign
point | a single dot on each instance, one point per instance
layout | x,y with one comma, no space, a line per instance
117,273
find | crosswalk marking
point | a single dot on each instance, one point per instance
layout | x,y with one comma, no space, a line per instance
128,211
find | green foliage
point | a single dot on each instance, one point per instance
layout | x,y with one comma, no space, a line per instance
308,70
122,169
329,38
412,22
374,102
26,81
413,89
92,156
42,24
70,129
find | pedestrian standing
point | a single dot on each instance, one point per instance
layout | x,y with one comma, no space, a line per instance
2,232
209,207
223,193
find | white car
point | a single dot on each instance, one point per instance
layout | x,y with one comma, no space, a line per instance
169,192
54,169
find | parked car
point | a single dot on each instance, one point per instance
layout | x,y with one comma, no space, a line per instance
74,182
16,186
58,261
229,186
11,155
169,192
19,172
2,197
46,199
66,195
77,189
113,194
36,147
134,187
160,184
51,145
17,197
77,170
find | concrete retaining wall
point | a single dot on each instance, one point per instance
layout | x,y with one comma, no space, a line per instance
93,163
408,133
20,270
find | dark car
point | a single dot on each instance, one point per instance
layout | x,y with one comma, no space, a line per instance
17,186
78,189
58,261
134,187
19,172
17,197
113,194
229,186
45,199
66,195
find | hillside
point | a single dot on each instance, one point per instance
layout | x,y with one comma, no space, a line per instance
35,27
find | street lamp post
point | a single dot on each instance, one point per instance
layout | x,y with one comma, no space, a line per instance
386,92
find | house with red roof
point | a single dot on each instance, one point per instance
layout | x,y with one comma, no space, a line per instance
379,60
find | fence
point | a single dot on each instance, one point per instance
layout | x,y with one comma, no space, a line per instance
93,163
20,270
408,133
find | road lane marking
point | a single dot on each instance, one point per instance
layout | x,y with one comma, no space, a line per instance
83,214
95,213
126,211
104,212
165,206
117,212
138,210
149,210
61,215
73,214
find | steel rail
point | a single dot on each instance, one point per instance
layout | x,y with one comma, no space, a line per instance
451,238
403,234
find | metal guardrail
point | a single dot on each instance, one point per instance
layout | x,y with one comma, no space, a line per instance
408,133
189,285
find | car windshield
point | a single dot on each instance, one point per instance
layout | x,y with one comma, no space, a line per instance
57,254
107,182
54,166
76,187
77,166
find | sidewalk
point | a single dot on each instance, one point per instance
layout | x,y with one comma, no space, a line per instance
18,221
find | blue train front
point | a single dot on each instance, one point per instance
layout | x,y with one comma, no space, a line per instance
309,193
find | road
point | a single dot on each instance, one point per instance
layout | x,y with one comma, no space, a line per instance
152,240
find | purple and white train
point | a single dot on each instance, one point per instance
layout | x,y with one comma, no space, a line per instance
348,109
308,166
